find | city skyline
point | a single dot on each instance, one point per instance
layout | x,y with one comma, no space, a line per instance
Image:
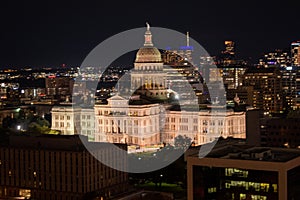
66,33
149,100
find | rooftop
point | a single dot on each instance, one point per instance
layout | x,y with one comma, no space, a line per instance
231,148
75,143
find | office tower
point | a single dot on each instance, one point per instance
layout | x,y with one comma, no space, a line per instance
234,169
229,51
232,76
289,86
267,89
295,53
277,58
59,87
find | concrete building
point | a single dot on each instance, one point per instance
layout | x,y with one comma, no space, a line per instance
59,87
236,170
267,89
281,132
58,167
147,124
118,121
72,120
203,126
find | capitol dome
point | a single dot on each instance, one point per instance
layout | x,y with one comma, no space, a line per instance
148,53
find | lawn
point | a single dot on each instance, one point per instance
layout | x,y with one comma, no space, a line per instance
177,190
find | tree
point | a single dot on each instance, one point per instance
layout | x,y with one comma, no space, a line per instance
8,122
182,142
36,128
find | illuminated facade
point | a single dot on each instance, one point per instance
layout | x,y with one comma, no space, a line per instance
59,87
229,48
148,77
204,126
139,120
184,52
72,120
267,89
289,86
145,124
232,76
119,122
295,52
235,170
277,58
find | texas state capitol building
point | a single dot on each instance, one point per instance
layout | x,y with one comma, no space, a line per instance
142,121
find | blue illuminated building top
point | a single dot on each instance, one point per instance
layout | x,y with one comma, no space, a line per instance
186,48
182,48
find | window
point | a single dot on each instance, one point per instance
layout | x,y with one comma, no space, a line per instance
184,120
173,127
183,128
195,128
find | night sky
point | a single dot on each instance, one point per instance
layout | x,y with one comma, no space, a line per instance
48,33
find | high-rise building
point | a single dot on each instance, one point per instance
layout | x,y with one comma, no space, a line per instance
295,53
180,74
289,86
59,167
232,76
267,89
229,48
59,87
278,58
184,53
